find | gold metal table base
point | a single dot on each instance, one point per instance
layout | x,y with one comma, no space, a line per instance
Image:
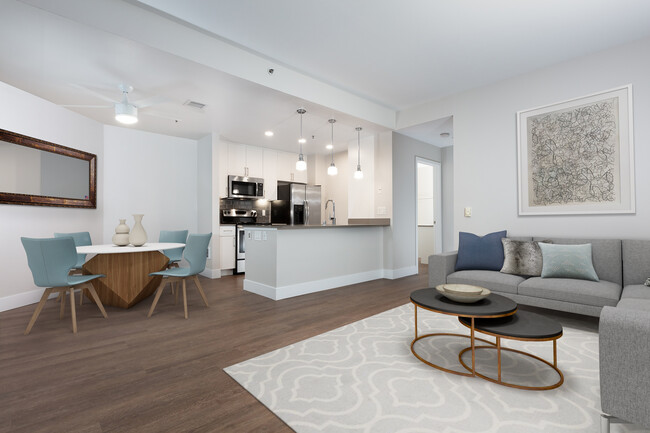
472,370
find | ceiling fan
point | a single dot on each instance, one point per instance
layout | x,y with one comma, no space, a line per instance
126,112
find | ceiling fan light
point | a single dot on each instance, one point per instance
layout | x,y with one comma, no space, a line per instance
126,113
332,170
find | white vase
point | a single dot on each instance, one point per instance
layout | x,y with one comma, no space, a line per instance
138,236
121,236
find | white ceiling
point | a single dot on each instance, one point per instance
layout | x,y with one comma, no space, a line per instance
398,54
407,52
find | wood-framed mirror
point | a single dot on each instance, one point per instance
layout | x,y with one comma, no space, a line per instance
39,173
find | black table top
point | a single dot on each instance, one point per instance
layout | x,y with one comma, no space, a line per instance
523,324
493,305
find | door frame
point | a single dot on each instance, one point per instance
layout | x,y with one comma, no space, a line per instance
437,209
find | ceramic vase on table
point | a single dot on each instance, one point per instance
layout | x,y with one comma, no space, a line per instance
121,236
138,236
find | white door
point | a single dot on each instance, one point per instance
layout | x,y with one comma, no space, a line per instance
429,229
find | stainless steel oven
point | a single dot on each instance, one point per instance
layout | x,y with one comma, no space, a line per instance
245,187
240,250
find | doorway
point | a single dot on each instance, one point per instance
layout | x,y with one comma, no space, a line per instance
428,212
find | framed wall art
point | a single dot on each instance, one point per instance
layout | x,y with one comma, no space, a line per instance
577,156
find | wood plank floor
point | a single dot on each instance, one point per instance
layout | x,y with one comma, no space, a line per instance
164,374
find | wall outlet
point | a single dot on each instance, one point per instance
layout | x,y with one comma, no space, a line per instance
263,212
264,236
381,210
468,211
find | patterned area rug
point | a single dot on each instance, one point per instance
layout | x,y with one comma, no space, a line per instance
363,378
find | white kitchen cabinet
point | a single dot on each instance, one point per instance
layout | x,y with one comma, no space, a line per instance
227,246
287,168
270,174
244,160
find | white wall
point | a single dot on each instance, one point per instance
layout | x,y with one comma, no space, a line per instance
29,115
403,246
151,174
333,187
485,146
447,198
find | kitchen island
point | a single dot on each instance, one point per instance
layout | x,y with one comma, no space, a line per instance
287,261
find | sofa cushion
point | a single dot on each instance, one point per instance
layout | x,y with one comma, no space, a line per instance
493,280
634,304
521,258
480,252
636,261
636,291
567,261
605,254
596,293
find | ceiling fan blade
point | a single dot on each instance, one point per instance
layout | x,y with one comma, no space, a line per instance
148,102
87,106
161,115
94,93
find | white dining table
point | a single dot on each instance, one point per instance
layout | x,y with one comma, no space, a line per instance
126,269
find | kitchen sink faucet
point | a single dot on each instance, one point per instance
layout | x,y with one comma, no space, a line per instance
333,217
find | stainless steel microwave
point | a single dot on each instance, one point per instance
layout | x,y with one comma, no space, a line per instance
245,187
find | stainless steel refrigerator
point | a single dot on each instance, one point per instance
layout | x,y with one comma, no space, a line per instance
297,204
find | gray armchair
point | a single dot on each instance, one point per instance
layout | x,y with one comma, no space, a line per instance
624,340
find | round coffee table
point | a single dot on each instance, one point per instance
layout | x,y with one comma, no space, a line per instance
523,326
491,307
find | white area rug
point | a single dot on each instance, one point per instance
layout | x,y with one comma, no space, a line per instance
363,378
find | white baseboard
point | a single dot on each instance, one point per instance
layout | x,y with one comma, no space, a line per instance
284,292
22,299
393,274
211,273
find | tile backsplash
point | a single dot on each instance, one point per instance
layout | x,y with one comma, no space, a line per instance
243,203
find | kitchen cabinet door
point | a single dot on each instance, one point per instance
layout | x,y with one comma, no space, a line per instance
270,174
287,166
227,252
255,161
237,159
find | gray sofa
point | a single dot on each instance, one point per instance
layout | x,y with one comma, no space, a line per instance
564,294
620,299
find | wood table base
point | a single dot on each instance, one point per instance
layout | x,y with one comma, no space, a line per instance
127,280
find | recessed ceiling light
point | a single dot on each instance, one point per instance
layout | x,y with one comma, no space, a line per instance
444,134
268,133
329,147
302,141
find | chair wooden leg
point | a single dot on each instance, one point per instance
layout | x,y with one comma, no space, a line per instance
58,298
198,286
157,297
98,301
62,309
73,311
185,298
39,307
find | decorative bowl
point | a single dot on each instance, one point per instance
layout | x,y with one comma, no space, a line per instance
460,296
462,289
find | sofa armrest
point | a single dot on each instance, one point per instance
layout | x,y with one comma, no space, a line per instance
441,265
624,341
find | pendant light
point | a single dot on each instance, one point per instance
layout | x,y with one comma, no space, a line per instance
301,165
358,174
332,170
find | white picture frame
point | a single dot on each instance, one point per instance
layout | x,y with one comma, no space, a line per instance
577,156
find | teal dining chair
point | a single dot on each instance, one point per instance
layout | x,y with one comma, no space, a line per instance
50,261
80,239
175,254
196,252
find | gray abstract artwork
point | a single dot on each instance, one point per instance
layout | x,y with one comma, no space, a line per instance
573,155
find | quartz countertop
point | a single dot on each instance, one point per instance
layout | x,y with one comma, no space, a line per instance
378,222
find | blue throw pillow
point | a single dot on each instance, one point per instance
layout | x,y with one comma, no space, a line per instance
480,253
567,261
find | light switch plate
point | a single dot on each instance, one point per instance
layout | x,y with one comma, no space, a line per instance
257,235
468,211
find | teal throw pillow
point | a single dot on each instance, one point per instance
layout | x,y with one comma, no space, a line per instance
567,261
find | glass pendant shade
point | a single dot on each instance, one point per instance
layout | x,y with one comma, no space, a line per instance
358,174
332,170
301,164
